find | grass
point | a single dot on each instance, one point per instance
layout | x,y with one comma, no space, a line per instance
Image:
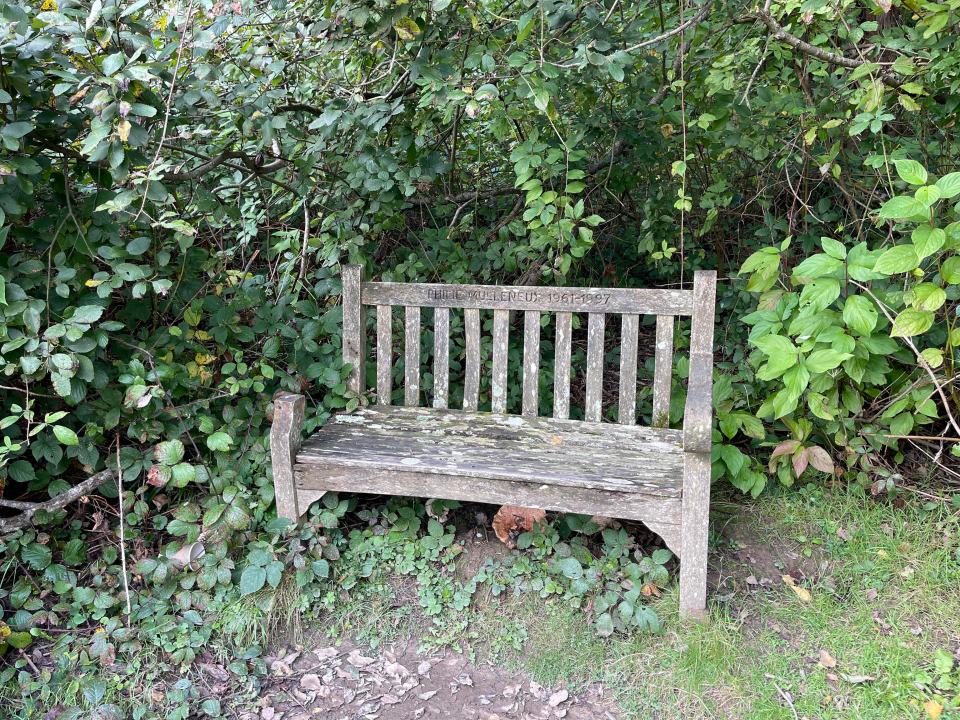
883,597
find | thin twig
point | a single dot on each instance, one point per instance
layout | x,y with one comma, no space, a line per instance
123,542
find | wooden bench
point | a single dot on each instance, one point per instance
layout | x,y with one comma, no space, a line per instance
657,475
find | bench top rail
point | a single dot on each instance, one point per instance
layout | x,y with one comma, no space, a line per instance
545,299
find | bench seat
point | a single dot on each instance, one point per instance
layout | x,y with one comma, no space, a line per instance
626,471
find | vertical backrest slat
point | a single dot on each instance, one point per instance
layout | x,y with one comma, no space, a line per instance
384,353
561,366
630,325
593,409
441,356
498,386
662,371
411,363
471,382
352,341
531,362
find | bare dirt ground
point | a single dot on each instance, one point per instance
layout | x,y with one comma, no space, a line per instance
345,682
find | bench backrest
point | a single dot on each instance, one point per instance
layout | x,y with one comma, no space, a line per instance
597,303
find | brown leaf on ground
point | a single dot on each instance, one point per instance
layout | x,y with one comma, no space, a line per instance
511,520
800,592
826,660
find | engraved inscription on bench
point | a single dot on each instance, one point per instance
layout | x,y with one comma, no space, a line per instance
515,295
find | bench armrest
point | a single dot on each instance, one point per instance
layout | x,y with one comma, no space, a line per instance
698,412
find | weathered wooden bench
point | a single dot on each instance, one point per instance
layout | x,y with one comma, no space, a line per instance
653,474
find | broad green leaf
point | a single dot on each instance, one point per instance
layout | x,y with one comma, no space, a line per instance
817,266
16,130
949,185
65,435
219,441
859,314
927,195
570,567
950,270
898,259
911,171
823,360
911,322
833,248
112,63
820,293
927,296
252,579
933,357
169,452
901,207
927,240
525,25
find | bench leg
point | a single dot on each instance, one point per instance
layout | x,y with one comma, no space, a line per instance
693,544
284,443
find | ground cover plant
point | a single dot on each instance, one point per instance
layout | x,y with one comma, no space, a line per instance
179,183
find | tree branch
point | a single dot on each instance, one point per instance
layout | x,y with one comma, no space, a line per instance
59,502
779,33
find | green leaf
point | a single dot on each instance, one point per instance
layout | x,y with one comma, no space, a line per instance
911,322
859,314
950,270
817,266
901,207
911,171
219,441
20,640
252,579
65,435
570,567
927,296
949,185
113,62
927,240
16,130
525,25
833,248
927,195
604,625
733,459
898,259
37,556
823,360
169,452
820,293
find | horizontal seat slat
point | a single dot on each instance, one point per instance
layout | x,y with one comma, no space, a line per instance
545,299
551,452
662,514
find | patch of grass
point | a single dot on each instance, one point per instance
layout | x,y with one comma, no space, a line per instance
883,599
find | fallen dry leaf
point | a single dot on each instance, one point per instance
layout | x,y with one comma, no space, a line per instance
311,682
933,708
800,592
857,679
512,520
558,697
826,660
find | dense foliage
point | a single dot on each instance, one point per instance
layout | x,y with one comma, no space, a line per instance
178,183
